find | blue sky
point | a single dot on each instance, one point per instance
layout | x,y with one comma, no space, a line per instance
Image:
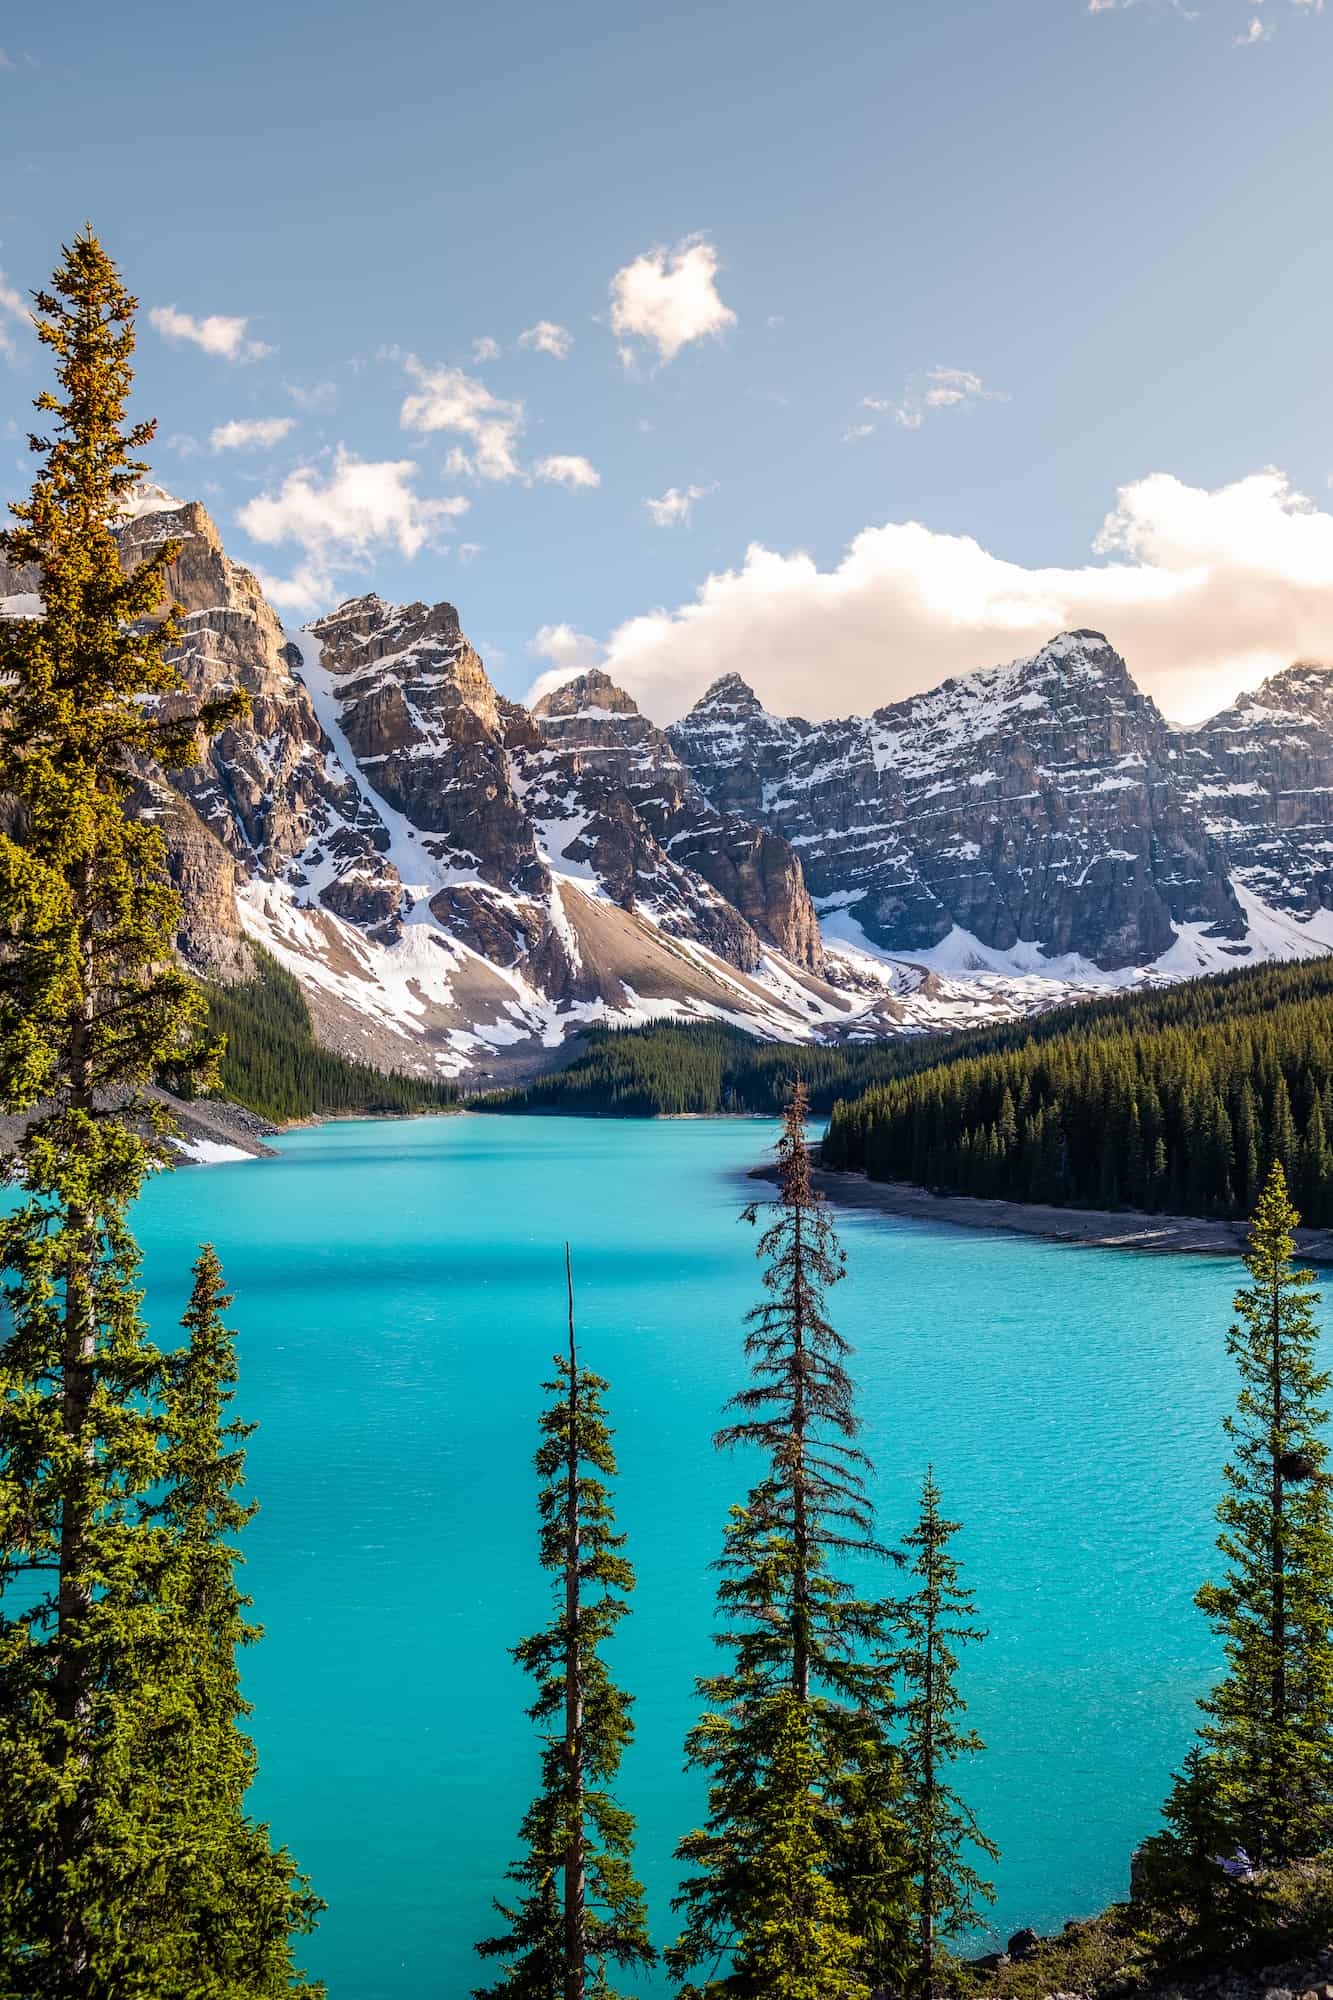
1034,254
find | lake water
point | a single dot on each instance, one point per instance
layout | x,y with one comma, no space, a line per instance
399,1295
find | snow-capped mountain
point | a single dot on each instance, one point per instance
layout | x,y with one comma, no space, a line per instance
460,883
1036,802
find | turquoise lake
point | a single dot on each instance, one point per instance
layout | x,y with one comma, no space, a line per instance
399,1295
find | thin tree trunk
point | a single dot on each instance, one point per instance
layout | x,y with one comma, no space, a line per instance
800,1656
1281,1786
72,1687
927,1928
575,1872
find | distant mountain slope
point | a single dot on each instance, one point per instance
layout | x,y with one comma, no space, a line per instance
460,885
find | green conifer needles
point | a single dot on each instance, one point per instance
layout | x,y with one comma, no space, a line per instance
579,1920
102,1686
1268,1739
797,1725
935,1619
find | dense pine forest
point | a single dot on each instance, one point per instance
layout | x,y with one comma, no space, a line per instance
273,1065
1175,1101
703,1068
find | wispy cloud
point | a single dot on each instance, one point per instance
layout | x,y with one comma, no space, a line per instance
250,433
669,298
222,334
340,515
13,311
673,507
567,469
314,396
1258,31
486,349
446,399
937,389
548,338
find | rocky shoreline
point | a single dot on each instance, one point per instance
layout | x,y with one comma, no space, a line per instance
1086,1228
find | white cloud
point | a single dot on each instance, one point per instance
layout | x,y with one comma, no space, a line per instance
674,505
937,389
222,334
1204,592
250,433
13,306
468,552
570,652
548,338
855,432
669,297
314,396
449,400
1258,31
567,469
340,518
486,349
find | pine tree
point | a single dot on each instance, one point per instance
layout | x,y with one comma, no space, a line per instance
92,1007
582,1911
241,1902
1268,1740
800,1637
937,1617
793,1928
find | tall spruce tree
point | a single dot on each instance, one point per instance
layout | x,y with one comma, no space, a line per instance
804,1642
581,1915
92,1007
936,1618
1268,1738
242,1902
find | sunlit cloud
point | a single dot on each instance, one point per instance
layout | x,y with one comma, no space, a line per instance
669,298
220,334
1204,591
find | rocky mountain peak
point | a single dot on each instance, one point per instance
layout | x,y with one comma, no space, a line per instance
590,693
728,695
1298,694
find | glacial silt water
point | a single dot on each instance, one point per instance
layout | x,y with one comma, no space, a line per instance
399,1297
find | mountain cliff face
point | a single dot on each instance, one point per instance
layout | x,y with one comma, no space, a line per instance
458,884
1039,802
1262,784
461,884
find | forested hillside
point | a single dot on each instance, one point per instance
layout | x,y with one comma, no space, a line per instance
1175,1101
705,1068
274,1066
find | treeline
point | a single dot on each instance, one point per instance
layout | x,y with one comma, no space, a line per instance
705,1068
272,1063
1175,1102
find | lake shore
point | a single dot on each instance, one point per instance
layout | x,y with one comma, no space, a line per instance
1086,1228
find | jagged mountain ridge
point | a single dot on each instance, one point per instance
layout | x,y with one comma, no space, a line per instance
460,883
1044,807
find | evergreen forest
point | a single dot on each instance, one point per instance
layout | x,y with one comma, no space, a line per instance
1175,1102
271,1062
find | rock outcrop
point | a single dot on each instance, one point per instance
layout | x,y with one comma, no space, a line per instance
1042,802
